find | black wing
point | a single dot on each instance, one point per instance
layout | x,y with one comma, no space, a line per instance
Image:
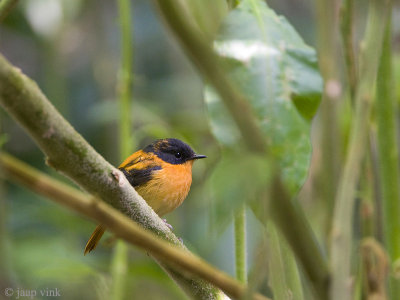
137,177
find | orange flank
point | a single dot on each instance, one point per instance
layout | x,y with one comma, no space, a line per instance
168,187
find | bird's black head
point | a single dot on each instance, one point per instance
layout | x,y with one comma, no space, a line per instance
172,151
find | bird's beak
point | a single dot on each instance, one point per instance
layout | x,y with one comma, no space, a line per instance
197,156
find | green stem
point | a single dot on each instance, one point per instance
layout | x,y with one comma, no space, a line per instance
284,277
347,28
119,268
125,79
367,209
329,133
299,236
343,214
277,276
5,7
4,259
120,258
240,244
386,109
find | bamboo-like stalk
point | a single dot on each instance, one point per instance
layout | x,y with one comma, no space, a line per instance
347,29
277,276
389,177
284,277
4,254
120,258
240,244
300,240
343,214
180,260
300,236
119,271
71,155
329,136
125,79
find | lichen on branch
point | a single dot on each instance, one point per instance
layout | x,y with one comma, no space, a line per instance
70,154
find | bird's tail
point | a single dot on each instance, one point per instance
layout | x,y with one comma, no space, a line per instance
94,238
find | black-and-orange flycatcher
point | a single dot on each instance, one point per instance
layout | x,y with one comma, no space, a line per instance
161,173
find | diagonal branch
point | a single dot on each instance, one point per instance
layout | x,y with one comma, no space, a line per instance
71,155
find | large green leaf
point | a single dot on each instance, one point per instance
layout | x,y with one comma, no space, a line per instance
277,72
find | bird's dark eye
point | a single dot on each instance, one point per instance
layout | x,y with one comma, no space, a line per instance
178,155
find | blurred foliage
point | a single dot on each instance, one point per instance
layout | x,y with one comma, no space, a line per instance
231,188
71,48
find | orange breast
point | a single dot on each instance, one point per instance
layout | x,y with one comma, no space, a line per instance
168,187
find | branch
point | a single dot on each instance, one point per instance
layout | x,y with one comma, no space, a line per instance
120,225
70,154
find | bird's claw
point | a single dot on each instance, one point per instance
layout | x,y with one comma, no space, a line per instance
168,225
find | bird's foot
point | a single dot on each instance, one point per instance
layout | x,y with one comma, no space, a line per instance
168,225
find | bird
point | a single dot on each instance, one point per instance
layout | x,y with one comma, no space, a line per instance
161,173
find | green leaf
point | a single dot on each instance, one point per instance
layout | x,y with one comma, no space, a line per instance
278,73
